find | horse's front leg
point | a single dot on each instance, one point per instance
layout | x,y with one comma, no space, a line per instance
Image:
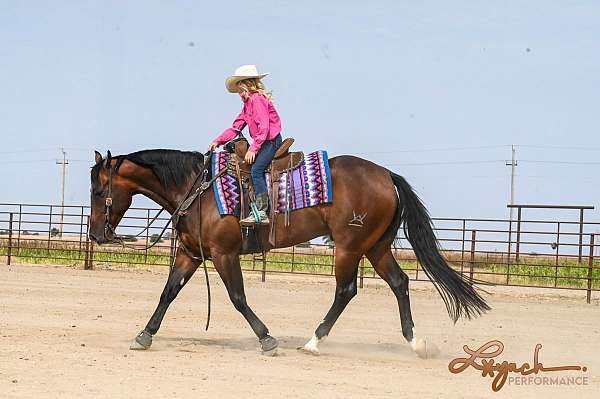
179,275
228,267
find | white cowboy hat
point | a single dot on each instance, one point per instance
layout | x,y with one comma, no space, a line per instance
241,73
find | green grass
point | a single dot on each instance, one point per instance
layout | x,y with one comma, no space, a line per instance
538,271
545,272
59,253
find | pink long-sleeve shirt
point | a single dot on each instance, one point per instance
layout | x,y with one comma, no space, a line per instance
262,119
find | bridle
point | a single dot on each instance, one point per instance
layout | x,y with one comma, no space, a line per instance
108,202
108,227
189,198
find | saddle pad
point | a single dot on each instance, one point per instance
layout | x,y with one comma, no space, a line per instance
307,185
226,187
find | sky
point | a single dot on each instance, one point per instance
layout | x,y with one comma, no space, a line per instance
435,91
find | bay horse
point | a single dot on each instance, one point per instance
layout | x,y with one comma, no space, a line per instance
383,199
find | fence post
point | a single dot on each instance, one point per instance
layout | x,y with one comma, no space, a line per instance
462,248
333,260
10,233
557,251
293,257
89,252
264,266
49,229
362,271
19,230
86,260
590,269
91,255
580,234
472,263
81,233
147,236
518,249
173,246
557,241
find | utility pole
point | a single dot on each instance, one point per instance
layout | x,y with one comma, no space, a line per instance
513,165
63,164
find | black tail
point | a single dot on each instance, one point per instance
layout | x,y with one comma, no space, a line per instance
458,294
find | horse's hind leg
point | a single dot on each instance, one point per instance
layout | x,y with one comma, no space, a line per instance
388,269
346,268
180,274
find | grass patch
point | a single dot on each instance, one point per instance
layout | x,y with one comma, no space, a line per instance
537,271
566,273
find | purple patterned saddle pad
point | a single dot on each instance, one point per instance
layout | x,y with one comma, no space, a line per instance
307,185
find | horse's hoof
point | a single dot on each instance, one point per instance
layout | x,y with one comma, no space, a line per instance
142,341
268,346
312,346
270,353
309,350
423,348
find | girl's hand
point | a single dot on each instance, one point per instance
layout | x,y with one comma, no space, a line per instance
212,146
249,158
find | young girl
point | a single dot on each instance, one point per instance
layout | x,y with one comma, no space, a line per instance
264,124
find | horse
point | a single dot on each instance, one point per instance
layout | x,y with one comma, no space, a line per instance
383,200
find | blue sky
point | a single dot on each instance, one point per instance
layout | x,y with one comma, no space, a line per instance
435,91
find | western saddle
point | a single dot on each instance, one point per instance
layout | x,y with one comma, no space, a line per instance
284,161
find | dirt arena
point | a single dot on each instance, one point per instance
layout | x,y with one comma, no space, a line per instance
66,333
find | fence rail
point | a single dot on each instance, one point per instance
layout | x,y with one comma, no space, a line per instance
561,254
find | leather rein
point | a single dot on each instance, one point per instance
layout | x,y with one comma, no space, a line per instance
176,215
180,211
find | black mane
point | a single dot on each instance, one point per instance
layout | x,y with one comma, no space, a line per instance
171,167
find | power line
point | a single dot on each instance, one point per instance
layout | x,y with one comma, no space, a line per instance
44,160
557,147
466,162
446,163
33,151
463,162
30,161
27,151
435,149
413,150
464,148
557,162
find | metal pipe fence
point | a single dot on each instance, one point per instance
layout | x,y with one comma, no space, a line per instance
561,254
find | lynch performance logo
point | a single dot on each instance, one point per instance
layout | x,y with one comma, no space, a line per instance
483,359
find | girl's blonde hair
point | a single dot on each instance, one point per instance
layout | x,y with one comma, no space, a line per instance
255,85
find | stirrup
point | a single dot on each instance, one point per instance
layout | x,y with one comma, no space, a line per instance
255,217
252,218
249,220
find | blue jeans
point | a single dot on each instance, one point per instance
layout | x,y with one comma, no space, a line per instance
261,163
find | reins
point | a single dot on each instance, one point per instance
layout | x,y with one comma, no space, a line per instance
180,211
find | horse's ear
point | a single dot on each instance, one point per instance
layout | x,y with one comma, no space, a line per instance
98,157
108,159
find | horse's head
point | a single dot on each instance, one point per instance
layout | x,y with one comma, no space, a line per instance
111,196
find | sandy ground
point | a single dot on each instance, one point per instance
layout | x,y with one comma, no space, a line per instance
66,333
